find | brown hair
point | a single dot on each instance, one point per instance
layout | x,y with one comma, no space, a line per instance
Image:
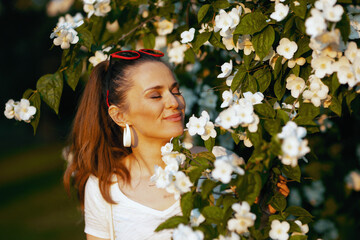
96,145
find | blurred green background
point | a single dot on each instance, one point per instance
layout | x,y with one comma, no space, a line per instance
33,202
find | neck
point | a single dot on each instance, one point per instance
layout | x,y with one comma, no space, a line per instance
145,155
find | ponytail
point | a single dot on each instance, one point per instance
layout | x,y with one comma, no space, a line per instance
96,143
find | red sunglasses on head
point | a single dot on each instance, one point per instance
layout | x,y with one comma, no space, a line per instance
132,55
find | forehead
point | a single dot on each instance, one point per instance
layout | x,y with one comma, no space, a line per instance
150,74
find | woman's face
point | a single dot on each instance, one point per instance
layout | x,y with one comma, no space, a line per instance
155,105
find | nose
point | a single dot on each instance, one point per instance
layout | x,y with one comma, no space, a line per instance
171,101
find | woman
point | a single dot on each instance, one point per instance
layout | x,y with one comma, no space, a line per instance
141,95
130,108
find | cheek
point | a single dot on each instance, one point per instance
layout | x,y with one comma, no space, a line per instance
146,111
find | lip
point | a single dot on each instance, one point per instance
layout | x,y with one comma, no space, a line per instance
174,117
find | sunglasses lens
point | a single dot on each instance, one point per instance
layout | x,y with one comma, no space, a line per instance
151,51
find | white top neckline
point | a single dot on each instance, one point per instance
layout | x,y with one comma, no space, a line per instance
144,207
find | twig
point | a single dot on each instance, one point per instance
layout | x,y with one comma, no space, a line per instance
135,28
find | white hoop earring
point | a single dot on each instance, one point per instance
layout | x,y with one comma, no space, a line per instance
127,136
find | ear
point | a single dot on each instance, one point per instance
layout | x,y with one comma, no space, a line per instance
117,115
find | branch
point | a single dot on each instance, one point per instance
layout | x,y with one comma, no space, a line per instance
135,28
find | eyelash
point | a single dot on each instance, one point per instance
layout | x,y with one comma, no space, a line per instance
177,94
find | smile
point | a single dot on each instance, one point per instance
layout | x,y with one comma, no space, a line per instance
174,118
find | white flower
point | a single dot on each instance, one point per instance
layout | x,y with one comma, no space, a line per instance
227,118
196,125
187,36
183,232
102,7
245,44
316,24
55,7
182,182
89,7
160,42
160,177
222,170
353,180
229,43
243,218
295,84
9,109
164,27
167,148
253,127
354,26
322,66
226,21
322,4
255,98
286,48
346,76
196,217
112,26
233,236
228,98
98,58
281,11
176,52
65,38
304,228
209,131
230,78
291,129
24,111
290,146
226,69
279,230
317,91
352,51
244,111
333,13
173,157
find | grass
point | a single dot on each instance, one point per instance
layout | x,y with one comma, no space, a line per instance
33,202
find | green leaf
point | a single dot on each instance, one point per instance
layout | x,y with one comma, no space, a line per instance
248,186
272,126
278,67
50,87
202,12
307,113
35,101
206,188
298,212
187,203
263,41
228,202
195,173
279,89
235,137
221,4
303,47
265,110
282,116
73,73
299,10
251,23
85,38
278,202
215,40
172,222
250,84
263,78
149,41
335,84
200,40
238,80
335,106
300,24
213,214
294,227
344,26
209,144
298,237
190,56
289,25
293,173
350,96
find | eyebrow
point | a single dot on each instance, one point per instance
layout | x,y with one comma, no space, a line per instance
175,84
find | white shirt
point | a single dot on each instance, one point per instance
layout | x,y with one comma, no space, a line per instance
131,220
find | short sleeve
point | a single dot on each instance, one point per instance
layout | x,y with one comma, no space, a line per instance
96,210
